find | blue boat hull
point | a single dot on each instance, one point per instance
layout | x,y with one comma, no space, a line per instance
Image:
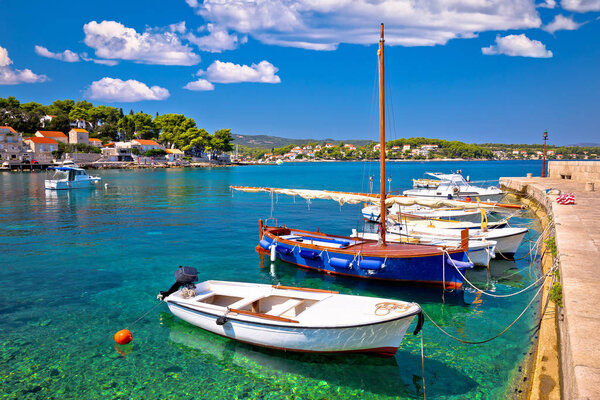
433,269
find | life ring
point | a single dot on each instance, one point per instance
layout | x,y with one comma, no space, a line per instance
455,189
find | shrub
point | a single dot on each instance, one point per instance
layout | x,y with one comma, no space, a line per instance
555,294
155,152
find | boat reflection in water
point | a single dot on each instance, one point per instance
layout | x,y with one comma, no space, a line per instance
392,376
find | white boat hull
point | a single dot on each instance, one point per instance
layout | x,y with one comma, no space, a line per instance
507,240
480,252
66,185
492,196
330,323
381,338
372,213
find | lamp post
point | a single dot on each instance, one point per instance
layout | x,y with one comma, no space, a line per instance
544,155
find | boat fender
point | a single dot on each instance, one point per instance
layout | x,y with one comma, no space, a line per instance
310,254
265,244
222,320
340,263
420,323
459,264
449,196
370,264
283,250
273,253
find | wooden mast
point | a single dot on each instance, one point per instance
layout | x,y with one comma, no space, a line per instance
382,213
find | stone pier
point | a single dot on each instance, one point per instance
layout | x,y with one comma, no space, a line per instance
578,244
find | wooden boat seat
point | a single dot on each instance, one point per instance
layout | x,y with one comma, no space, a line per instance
284,307
247,301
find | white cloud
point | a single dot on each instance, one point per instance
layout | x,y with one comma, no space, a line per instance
217,40
110,63
548,4
114,40
200,85
66,56
227,72
9,76
323,24
5,60
178,27
110,89
517,45
561,23
581,5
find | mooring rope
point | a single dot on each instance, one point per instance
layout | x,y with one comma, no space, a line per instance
499,295
494,337
423,364
146,313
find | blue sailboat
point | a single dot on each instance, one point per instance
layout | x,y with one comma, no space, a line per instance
369,259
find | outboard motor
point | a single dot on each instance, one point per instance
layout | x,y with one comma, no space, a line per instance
184,276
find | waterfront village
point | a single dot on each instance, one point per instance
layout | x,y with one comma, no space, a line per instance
99,136
46,147
51,147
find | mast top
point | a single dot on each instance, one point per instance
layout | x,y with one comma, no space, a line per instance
382,31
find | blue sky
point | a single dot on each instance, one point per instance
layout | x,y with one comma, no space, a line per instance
476,71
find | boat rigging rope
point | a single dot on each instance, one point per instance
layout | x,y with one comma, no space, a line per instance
494,337
543,277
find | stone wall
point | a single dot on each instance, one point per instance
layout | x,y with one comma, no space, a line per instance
580,171
82,157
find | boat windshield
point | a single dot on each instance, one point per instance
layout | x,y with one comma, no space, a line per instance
56,175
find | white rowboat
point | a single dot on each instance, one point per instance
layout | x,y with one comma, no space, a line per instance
295,319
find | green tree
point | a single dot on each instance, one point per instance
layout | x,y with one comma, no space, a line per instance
126,125
144,126
174,129
10,102
34,107
81,110
61,107
108,130
59,123
221,141
198,141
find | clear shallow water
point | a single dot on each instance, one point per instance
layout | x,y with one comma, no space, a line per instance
77,266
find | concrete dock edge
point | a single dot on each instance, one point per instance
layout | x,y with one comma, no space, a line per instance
577,235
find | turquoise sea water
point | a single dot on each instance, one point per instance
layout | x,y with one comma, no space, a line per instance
77,266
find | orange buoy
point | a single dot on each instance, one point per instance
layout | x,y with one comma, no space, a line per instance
124,336
468,199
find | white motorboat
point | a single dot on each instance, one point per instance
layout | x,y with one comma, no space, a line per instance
507,239
371,213
69,177
454,186
480,251
290,318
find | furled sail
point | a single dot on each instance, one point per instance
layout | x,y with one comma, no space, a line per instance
356,198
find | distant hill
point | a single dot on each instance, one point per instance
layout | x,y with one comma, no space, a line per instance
268,142
585,144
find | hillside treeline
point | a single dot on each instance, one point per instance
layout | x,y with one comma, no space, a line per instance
111,124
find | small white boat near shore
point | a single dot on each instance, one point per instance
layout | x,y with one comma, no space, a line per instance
69,176
290,318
